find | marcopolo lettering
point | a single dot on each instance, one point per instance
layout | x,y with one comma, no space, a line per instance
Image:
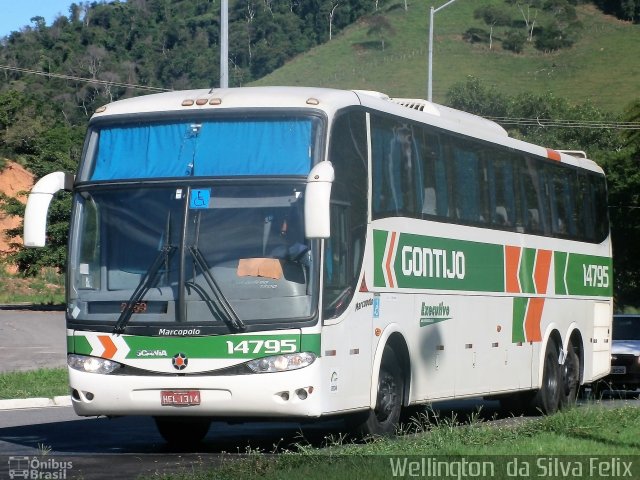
179,333
433,262
364,303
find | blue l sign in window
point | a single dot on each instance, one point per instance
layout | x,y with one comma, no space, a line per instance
200,198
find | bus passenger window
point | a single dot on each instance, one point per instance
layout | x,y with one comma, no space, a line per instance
534,207
561,200
397,170
467,185
501,193
599,202
434,199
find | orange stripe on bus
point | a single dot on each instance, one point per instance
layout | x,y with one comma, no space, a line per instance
512,260
541,272
110,348
389,258
553,155
532,320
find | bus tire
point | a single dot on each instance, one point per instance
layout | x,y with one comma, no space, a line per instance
383,420
182,431
570,378
547,398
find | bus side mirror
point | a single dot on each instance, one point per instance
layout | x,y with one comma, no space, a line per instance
35,215
317,196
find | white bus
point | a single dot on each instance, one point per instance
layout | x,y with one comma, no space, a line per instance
302,253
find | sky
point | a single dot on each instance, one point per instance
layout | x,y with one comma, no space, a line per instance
15,14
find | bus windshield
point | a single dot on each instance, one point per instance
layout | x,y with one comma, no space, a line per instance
192,247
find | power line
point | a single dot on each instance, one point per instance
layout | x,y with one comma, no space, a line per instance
558,123
81,79
521,122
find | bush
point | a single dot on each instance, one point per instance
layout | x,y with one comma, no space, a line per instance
552,38
476,35
514,41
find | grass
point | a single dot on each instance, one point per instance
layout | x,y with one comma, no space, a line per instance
46,382
575,435
600,67
45,289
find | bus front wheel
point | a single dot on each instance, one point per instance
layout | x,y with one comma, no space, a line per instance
182,431
384,418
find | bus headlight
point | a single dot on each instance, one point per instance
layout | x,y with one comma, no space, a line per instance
282,363
91,364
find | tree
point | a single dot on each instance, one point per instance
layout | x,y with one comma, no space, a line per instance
474,97
492,15
379,26
529,17
623,177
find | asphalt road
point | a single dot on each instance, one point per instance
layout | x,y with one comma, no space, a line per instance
32,339
92,444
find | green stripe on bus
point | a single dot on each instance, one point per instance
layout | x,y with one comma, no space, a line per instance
80,345
526,270
379,245
519,312
559,262
310,343
423,262
223,346
589,275
438,263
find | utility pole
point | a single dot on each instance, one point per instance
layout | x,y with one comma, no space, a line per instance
430,67
224,44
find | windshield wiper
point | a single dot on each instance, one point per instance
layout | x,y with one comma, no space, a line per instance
142,288
221,304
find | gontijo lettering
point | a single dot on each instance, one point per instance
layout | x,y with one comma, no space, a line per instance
433,262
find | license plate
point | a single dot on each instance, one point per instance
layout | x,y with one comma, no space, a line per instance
180,398
619,370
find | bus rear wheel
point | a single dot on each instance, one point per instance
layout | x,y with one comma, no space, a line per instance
383,420
547,398
570,378
182,432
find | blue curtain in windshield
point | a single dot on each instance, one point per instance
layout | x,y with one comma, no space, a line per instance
255,147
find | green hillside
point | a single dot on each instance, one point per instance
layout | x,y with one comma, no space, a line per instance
600,67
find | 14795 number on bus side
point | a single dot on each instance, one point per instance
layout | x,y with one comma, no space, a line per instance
596,276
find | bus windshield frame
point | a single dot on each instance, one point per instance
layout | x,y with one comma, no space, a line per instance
179,250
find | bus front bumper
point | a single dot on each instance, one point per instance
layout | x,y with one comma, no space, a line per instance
294,393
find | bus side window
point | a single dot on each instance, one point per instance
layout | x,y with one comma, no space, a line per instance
501,193
533,192
435,196
468,182
558,181
89,258
343,251
584,206
599,202
397,169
